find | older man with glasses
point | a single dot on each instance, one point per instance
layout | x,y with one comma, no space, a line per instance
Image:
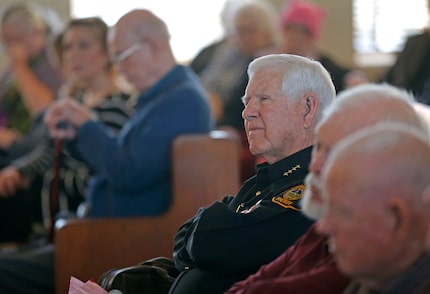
171,102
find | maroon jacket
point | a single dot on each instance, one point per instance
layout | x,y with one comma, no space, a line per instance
305,267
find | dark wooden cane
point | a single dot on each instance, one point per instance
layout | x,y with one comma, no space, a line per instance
54,191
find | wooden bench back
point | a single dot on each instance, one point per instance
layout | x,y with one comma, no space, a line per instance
205,168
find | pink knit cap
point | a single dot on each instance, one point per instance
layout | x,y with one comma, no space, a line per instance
304,13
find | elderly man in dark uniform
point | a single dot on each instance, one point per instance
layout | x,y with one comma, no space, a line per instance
307,266
232,238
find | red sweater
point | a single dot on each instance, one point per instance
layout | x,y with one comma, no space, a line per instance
305,267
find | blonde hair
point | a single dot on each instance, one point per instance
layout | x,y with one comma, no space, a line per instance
30,14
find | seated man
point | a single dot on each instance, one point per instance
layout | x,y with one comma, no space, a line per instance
378,222
307,266
132,172
225,242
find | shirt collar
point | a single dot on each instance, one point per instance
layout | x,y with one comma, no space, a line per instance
294,167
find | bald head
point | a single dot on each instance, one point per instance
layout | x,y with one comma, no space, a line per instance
381,201
369,104
141,23
139,44
352,110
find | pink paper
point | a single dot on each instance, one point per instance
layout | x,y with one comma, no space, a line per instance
76,286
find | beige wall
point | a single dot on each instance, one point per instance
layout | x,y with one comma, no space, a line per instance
337,35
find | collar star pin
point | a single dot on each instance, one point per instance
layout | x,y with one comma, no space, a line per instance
291,170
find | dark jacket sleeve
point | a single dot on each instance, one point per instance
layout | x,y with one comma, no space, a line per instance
218,238
180,254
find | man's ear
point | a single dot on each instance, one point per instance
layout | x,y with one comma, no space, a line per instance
311,107
401,218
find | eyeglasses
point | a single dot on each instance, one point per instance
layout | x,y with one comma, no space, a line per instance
126,53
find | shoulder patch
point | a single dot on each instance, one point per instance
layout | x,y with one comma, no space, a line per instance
290,198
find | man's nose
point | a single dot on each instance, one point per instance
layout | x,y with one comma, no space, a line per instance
250,111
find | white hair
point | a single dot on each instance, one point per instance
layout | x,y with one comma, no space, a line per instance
300,74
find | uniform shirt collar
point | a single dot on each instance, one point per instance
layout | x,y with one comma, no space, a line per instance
294,167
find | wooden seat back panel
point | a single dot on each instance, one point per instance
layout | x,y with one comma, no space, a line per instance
204,167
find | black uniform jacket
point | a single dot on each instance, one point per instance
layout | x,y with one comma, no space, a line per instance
231,239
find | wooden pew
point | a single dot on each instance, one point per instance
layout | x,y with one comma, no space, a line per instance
205,168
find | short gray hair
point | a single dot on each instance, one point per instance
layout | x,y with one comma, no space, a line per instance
300,74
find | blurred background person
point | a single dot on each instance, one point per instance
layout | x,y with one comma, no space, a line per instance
250,31
31,80
220,65
92,80
302,23
411,70
27,86
255,34
136,165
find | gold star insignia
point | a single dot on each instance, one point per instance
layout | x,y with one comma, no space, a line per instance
291,170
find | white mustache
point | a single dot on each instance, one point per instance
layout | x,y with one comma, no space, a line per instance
313,181
310,207
331,246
